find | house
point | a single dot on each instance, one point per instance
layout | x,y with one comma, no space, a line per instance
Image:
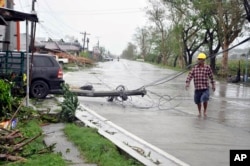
51,45
17,41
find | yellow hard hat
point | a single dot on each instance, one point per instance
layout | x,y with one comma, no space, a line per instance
201,56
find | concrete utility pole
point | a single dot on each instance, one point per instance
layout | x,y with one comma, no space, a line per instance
87,43
30,48
8,44
32,39
98,42
84,39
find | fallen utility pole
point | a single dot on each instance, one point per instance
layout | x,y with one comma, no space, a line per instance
119,92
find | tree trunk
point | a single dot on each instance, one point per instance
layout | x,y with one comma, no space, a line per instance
213,63
163,52
224,61
181,62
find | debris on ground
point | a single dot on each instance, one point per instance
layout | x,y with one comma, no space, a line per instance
73,59
12,143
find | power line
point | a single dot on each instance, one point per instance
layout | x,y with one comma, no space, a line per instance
25,5
95,12
175,75
55,21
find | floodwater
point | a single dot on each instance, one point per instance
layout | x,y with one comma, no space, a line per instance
166,116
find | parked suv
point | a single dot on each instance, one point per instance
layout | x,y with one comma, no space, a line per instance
46,74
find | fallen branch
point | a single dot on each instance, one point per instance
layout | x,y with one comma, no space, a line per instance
9,148
18,146
11,157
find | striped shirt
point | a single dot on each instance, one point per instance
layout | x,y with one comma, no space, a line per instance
201,74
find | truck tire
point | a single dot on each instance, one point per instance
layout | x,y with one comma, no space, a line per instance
39,89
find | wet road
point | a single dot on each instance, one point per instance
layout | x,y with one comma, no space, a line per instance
167,117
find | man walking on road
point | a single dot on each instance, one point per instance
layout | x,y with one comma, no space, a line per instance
201,73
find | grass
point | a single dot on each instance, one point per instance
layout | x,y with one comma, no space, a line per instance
97,149
32,151
41,160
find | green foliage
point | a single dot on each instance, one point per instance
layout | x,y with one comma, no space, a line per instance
97,149
26,113
51,159
129,52
33,151
234,65
197,25
85,54
5,95
151,58
8,103
30,129
69,105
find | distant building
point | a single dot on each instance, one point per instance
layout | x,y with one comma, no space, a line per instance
73,48
51,45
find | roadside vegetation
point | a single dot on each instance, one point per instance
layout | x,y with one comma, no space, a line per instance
177,31
22,142
34,153
196,26
97,149
235,67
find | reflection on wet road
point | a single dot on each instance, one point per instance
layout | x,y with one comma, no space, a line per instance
167,116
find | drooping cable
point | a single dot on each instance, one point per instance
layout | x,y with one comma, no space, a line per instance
175,75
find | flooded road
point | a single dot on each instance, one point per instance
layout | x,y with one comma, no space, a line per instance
167,117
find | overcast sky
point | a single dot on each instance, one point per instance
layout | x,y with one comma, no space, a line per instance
112,22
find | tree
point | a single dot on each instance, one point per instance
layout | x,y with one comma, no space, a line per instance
213,24
230,18
102,50
175,45
186,20
212,41
142,39
157,14
129,52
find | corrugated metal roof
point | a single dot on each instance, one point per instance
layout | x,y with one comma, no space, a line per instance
51,46
13,15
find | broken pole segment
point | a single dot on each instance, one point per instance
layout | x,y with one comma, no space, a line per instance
115,93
